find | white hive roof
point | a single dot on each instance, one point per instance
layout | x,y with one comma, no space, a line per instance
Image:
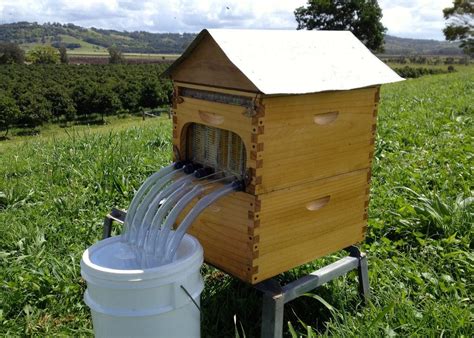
298,62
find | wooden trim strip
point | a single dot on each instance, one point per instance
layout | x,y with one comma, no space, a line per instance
217,89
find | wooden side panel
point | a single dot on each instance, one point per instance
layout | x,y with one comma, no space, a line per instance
309,137
226,232
304,222
208,65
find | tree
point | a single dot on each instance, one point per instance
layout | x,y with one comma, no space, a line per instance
115,55
34,108
152,94
9,112
82,94
63,55
61,103
105,102
460,24
11,53
43,55
129,93
361,17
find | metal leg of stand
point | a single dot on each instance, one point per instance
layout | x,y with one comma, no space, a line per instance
364,288
115,215
107,231
363,272
272,315
276,296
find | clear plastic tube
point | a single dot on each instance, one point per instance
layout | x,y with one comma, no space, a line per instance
171,219
147,251
155,207
156,223
141,192
145,202
192,215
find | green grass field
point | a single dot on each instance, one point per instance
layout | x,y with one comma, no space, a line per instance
56,188
54,130
86,48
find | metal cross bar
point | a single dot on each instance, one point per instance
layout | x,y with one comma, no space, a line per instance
115,215
275,296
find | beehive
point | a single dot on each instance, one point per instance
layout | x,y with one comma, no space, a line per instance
294,114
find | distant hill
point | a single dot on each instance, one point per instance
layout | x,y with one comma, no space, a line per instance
93,40
82,40
404,46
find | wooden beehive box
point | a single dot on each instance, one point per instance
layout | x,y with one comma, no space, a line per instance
304,105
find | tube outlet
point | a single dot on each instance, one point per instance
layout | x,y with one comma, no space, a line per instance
202,172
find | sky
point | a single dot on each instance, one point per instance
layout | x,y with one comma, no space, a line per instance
404,18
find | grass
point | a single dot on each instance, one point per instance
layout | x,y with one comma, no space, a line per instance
55,191
49,130
86,48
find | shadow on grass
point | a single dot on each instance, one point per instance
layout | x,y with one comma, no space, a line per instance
225,297
27,132
94,122
88,122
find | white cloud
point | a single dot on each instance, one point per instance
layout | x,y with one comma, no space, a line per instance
417,18
414,19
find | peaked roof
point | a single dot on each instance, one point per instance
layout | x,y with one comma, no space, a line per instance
297,62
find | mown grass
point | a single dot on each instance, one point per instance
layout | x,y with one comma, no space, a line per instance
86,48
55,192
112,124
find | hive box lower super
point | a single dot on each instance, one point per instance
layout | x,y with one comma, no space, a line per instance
302,140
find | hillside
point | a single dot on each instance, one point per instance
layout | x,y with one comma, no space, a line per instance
404,46
93,40
80,40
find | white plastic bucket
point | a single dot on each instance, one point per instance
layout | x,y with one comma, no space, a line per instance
129,302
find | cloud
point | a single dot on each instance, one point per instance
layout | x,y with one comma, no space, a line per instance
131,5
406,18
158,15
414,19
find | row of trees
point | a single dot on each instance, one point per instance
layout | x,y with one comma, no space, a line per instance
414,72
35,94
11,53
426,60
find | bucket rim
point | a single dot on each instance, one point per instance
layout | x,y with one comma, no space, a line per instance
89,267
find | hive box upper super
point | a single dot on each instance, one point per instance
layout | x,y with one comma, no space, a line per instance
294,114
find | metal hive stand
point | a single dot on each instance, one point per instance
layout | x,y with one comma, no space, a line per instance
276,296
